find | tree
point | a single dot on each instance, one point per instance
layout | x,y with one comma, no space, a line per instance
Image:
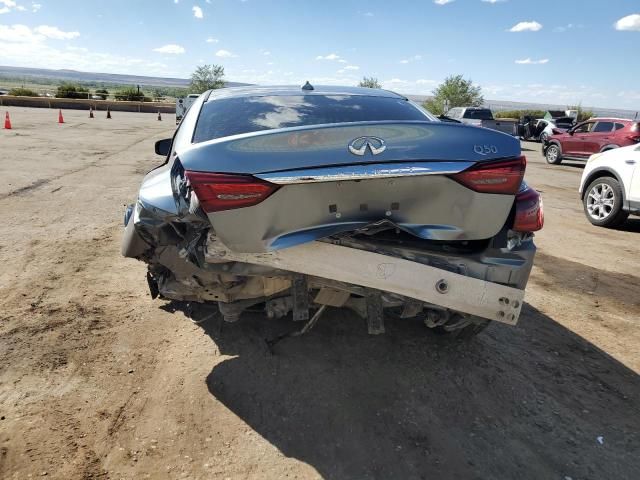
455,91
102,93
158,95
369,82
207,77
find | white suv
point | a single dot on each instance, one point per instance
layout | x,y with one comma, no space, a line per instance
610,186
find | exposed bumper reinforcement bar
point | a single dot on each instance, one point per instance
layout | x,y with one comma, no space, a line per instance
373,270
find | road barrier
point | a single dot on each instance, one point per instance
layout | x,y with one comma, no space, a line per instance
84,104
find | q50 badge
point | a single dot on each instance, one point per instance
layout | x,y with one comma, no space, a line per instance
485,149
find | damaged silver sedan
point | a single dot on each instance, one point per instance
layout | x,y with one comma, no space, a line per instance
293,199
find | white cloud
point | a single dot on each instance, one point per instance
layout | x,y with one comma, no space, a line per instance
197,12
32,50
171,48
267,53
18,34
55,33
225,54
212,40
415,58
368,14
630,22
528,61
7,5
342,60
526,27
35,7
23,34
331,56
493,1
442,2
352,67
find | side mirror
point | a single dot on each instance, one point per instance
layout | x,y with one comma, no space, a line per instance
163,147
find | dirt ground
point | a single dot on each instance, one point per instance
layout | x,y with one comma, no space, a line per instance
99,381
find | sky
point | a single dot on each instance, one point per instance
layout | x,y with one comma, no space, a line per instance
545,51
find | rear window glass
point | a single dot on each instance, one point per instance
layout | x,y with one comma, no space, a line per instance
603,127
478,114
233,116
619,126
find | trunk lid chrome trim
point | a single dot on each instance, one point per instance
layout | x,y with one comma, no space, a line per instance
363,172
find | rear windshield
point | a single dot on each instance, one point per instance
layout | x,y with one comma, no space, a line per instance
478,114
233,116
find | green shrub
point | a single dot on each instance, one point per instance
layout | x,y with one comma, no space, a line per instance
518,114
131,94
69,90
102,93
22,92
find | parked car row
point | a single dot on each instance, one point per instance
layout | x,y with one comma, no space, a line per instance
596,135
610,184
540,129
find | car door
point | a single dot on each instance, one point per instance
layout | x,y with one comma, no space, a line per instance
600,136
574,145
634,189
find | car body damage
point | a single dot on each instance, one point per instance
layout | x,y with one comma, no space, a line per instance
404,218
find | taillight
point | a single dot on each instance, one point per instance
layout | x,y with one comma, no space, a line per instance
221,191
635,127
503,176
529,213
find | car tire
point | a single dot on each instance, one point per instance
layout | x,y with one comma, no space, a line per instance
553,154
602,203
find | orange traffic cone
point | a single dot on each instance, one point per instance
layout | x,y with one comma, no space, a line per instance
159,116
108,112
60,119
91,112
7,121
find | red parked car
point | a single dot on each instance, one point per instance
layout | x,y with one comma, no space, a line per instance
593,136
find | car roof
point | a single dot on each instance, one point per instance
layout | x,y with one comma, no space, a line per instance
609,119
294,90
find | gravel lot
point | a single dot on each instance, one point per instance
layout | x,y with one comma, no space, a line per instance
99,381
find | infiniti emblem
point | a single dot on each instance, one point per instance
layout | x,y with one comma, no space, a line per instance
359,145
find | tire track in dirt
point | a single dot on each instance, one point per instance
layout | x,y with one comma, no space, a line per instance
45,181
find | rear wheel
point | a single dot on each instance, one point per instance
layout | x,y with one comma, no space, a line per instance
553,154
603,203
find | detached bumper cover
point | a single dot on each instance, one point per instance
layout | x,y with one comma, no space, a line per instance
381,272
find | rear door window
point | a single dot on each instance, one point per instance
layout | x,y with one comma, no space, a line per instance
233,116
619,126
602,127
478,114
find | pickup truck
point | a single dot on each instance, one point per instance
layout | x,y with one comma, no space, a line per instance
483,117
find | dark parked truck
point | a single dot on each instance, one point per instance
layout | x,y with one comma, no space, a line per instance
483,117
294,199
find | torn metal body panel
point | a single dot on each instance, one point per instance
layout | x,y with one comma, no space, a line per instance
292,202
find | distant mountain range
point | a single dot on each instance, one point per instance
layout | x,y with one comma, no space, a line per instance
112,78
120,79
